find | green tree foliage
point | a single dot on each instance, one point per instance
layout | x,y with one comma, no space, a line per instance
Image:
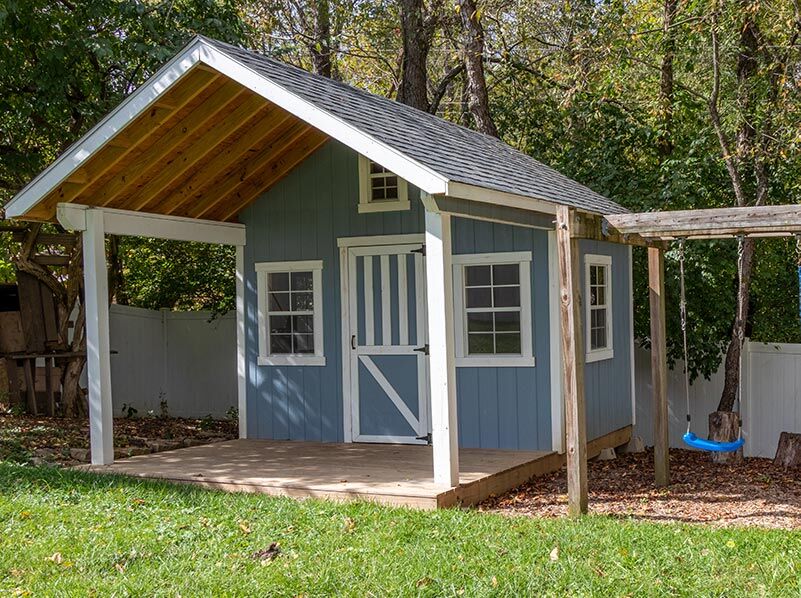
181,276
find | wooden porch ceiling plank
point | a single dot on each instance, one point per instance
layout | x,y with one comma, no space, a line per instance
263,124
273,171
710,223
183,161
192,126
145,126
249,162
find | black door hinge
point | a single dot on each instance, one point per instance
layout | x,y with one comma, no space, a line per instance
427,438
421,251
423,349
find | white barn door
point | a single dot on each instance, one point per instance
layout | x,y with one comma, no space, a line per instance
387,341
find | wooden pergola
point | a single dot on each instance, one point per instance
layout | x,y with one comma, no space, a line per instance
652,230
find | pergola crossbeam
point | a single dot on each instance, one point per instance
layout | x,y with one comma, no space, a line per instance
715,223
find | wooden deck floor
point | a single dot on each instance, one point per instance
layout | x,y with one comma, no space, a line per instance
390,474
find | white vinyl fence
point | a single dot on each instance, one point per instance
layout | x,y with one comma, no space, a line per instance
771,397
185,360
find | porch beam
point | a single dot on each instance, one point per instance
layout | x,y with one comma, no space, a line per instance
756,221
596,228
241,361
572,360
656,293
442,368
125,222
98,345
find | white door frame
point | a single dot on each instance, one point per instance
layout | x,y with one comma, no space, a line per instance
349,248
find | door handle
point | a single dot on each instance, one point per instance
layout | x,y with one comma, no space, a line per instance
353,341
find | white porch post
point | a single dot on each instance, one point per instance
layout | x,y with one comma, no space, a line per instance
442,370
241,363
98,346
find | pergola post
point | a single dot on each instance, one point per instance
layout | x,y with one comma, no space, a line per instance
442,368
572,361
98,345
656,293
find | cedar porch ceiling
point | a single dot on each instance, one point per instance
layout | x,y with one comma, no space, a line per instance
206,149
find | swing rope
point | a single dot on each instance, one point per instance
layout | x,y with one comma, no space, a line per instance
690,438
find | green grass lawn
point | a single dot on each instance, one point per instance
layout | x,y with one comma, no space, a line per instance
68,533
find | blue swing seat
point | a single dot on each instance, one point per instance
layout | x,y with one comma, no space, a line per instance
710,445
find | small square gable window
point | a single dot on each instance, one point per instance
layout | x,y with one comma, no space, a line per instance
379,189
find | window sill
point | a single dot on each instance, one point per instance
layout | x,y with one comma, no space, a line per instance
493,361
599,355
293,360
388,206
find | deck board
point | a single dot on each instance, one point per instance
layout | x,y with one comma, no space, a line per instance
400,475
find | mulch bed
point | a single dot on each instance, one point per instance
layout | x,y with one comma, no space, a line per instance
66,441
752,493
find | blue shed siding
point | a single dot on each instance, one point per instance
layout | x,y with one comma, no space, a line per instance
300,218
607,383
508,407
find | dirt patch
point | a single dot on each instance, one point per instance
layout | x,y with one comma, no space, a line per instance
66,441
753,493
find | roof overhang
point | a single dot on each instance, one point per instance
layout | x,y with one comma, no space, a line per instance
199,54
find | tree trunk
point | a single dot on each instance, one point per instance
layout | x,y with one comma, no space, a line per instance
413,88
666,80
473,47
320,47
73,402
724,426
788,453
116,277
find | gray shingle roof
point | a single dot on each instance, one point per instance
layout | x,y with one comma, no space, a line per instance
455,152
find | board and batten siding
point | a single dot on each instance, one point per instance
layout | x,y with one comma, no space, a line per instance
507,407
607,383
301,218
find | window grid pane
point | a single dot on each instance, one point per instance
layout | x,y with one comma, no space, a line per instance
493,309
598,301
290,312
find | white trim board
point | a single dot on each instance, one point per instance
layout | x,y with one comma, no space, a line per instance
608,352
367,241
526,358
136,224
303,359
555,332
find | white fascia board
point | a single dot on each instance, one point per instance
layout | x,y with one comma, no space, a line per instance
96,138
138,224
421,176
492,196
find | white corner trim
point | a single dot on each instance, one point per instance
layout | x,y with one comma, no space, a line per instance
241,361
555,334
366,241
117,119
607,352
137,224
631,338
304,359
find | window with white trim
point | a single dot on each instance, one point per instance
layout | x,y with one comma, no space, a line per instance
379,189
290,303
492,301
598,293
